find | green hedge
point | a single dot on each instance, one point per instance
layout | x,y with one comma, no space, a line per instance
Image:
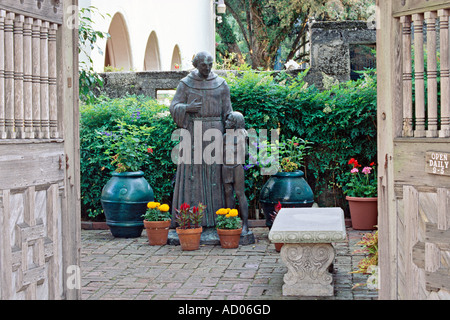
96,168
340,122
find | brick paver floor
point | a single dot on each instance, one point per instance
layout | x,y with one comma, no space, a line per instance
130,269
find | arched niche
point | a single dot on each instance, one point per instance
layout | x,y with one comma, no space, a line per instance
151,59
176,59
118,50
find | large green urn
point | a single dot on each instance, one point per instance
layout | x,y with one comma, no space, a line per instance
124,200
288,188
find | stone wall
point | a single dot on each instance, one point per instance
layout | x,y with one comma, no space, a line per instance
330,54
330,48
119,84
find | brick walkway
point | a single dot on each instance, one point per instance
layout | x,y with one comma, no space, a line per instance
129,269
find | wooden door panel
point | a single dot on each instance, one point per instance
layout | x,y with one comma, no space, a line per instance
39,149
424,244
31,241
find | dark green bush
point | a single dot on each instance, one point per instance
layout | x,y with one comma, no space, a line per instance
96,167
340,122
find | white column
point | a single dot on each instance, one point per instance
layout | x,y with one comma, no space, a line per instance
28,78
9,75
45,116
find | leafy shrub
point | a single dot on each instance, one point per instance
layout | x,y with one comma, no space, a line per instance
87,39
339,122
96,167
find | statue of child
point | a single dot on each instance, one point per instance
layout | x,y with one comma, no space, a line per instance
234,144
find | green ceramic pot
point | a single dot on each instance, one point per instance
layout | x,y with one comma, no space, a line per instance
288,188
124,200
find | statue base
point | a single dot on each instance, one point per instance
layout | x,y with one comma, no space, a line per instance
210,237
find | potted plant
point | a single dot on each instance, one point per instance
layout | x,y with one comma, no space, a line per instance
273,216
361,194
125,196
368,264
229,227
189,227
157,222
288,185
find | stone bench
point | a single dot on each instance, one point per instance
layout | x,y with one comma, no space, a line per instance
308,234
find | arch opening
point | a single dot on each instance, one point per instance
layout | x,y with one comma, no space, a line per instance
175,64
118,52
152,60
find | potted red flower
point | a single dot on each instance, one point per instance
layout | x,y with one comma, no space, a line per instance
362,197
189,228
274,215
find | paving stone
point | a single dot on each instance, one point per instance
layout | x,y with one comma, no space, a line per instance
127,269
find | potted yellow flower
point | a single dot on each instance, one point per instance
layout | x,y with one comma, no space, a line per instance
156,223
229,227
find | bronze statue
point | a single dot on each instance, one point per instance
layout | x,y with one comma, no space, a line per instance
201,103
234,143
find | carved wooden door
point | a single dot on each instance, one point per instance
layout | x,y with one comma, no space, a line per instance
39,170
414,148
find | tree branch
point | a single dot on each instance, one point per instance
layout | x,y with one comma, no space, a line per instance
239,22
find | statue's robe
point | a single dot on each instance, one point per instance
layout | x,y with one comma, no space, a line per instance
200,182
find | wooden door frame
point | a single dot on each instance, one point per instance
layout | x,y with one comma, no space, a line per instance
390,118
69,97
388,82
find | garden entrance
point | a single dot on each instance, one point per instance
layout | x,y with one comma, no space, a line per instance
414,148
39,153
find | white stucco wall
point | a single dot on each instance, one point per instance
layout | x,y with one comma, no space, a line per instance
186,23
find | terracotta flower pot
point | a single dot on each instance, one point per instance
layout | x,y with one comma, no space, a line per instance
189,238
229,238
363,212
157,232
278,246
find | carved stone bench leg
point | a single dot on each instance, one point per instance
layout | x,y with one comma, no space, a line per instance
308,265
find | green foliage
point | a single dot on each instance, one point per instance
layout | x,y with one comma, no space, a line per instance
126,145
264,29
339,122
188,217
361,184
228,219
96,166
157,212
87,38
292,151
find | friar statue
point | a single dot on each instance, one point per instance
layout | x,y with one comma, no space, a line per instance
200,107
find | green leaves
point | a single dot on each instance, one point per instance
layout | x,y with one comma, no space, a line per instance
87,36
339,122
138,113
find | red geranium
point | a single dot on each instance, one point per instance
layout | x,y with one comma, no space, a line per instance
354,162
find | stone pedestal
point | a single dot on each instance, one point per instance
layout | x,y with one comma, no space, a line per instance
308,269
308,234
